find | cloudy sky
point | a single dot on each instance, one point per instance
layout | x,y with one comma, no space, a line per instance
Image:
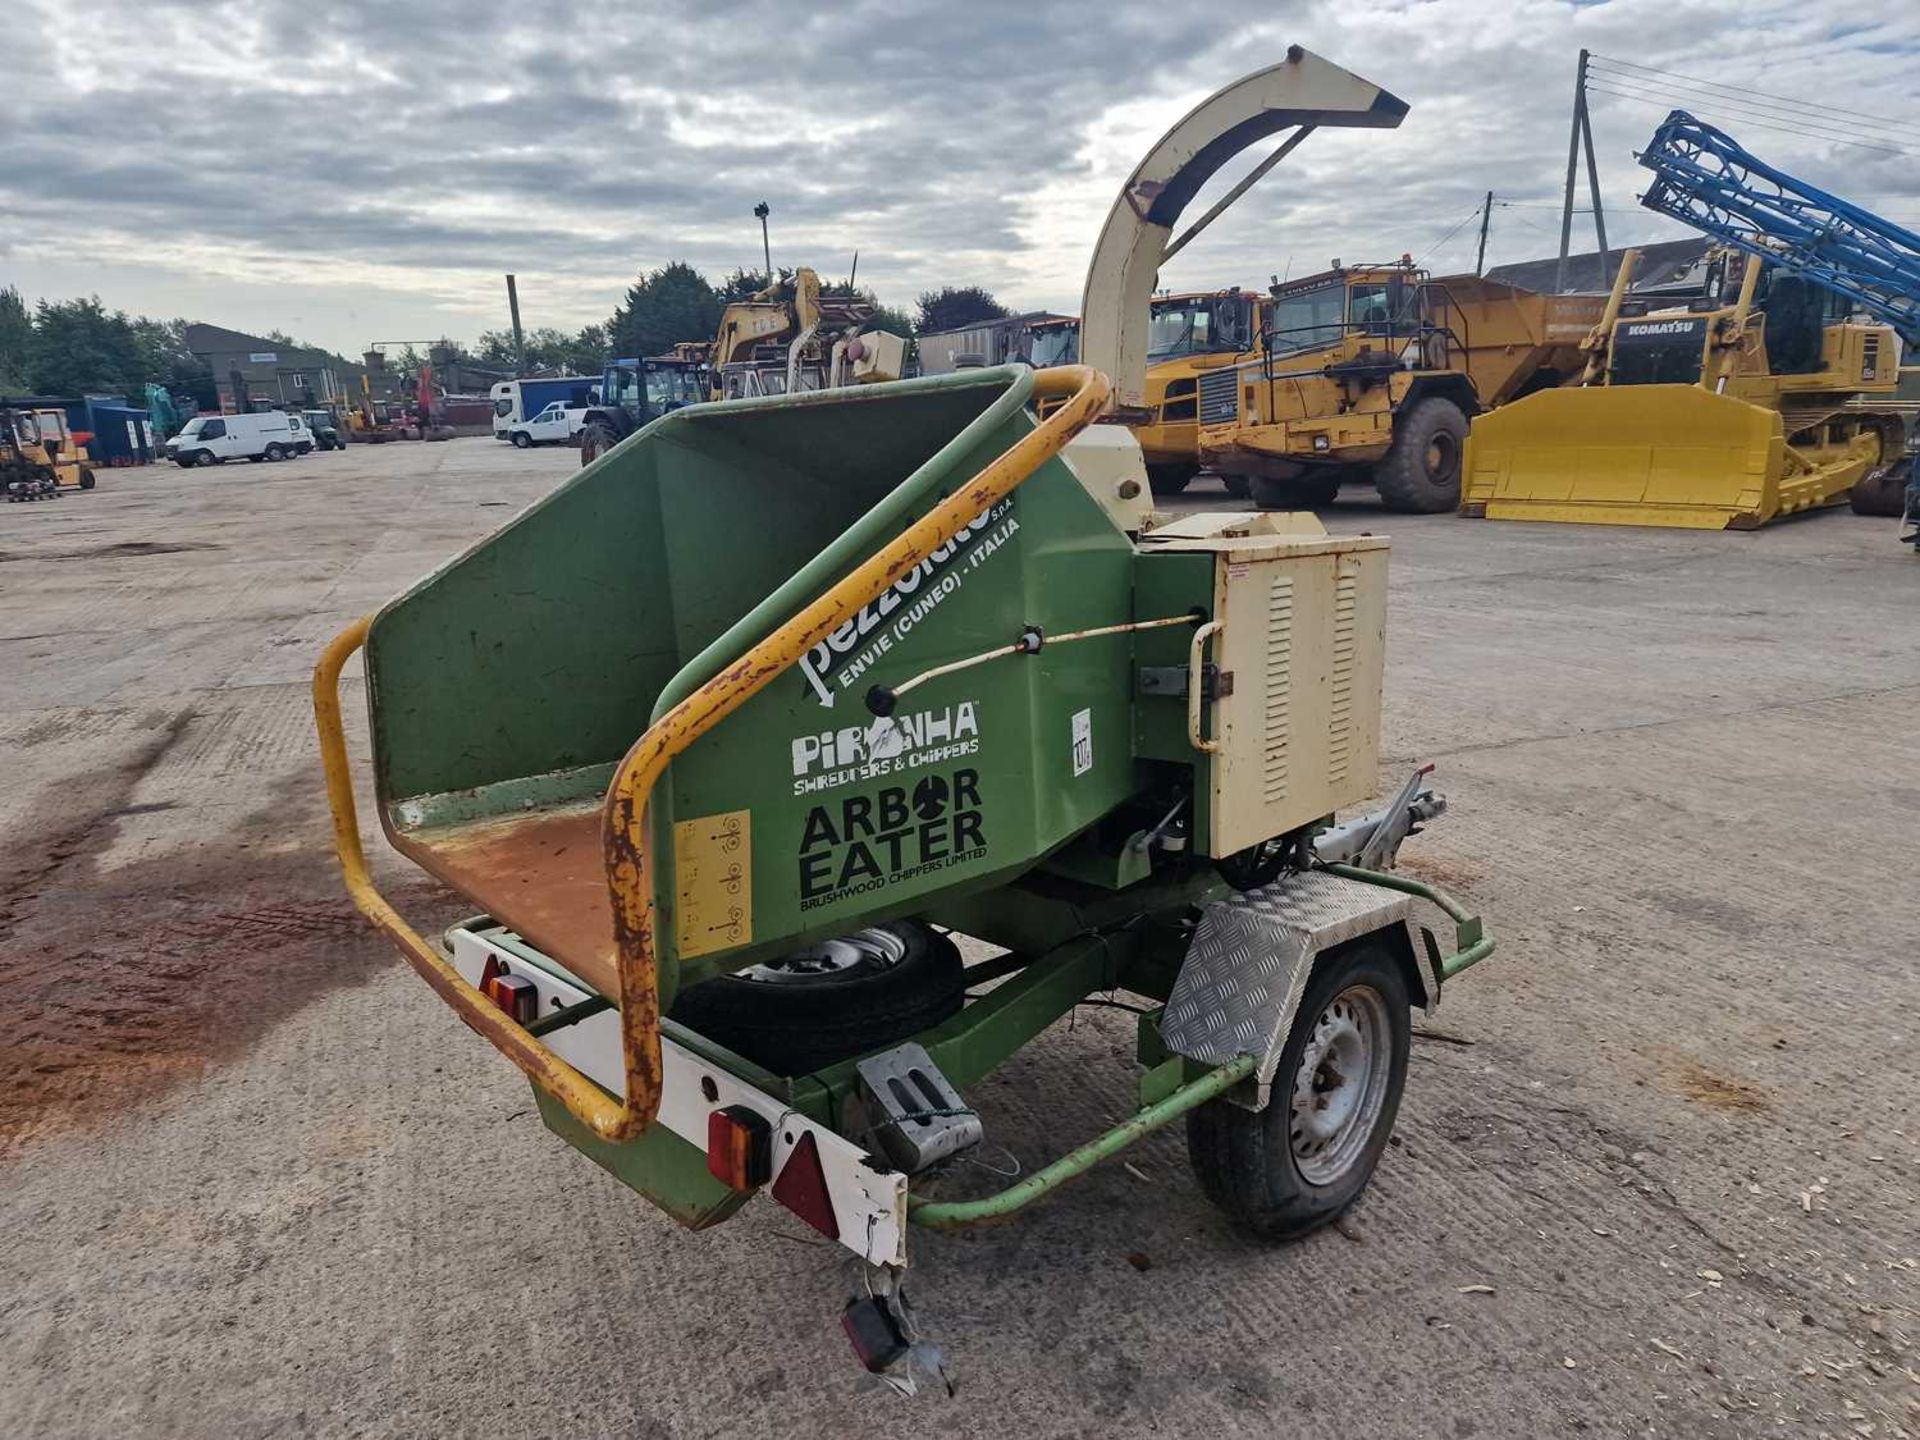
352,173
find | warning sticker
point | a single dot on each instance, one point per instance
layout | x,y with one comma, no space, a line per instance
1082,741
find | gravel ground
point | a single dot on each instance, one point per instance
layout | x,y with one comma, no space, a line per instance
1655,1173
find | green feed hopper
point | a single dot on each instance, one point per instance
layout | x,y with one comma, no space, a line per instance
506,687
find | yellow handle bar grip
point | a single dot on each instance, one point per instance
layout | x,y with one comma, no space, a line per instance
629,863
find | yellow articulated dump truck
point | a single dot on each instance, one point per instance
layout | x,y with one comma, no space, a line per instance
1722,410
1371,373
1189,334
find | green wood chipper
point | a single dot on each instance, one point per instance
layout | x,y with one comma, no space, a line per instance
731,734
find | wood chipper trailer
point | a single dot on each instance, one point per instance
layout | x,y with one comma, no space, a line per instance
732,732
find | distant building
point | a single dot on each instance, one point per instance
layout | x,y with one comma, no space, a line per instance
252,372
1664,264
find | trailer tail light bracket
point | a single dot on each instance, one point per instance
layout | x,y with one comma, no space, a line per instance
740,1147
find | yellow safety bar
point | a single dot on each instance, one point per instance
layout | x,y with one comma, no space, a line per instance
629,866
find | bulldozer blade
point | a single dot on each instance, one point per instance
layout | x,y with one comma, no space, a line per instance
1673,455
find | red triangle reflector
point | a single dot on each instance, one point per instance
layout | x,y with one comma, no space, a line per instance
802,1188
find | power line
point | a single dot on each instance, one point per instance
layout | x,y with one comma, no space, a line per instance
1744,90
1471,215
1805,131
1787,110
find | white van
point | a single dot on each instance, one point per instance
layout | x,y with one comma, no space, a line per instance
215,439
555,425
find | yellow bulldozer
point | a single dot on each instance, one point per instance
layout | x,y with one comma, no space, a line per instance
1721,410
1370,374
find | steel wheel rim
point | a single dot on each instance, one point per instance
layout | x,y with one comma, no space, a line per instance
1339,1088
867,951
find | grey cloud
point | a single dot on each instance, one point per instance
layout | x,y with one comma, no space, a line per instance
461,139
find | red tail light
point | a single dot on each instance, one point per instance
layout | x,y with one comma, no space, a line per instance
517,997
802,1188
740,1147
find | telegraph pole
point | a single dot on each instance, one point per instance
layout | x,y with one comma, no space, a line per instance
1593,189
1486,215
519,341
1573,165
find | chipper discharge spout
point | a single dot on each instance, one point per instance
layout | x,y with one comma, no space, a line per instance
731,733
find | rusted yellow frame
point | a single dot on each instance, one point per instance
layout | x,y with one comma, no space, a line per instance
629,862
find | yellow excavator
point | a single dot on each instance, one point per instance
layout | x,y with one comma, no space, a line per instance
790,336
1751,399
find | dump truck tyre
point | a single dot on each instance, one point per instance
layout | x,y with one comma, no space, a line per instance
803,1021
1238,486
1170,479
1345,1064
1306,492
1421,474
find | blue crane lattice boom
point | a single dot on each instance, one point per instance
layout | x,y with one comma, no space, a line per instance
1705,179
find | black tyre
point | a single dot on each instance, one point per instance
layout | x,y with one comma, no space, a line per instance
1308,492
1883,490
1238,486
596,439
276,453
831,1001
1170,479
86,478
1284,1171
522,440
1421,474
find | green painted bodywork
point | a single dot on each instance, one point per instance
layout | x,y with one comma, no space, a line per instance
512,680
669,1171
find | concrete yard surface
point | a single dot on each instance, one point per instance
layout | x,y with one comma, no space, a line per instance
1655,1172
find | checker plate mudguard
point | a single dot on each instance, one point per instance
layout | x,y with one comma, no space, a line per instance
1247,967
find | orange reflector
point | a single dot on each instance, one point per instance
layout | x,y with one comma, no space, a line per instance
512,994
739,1147
802,1188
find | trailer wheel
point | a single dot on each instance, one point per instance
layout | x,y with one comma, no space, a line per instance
1284,1171
832,1000
1304,492
1170,479
1421,474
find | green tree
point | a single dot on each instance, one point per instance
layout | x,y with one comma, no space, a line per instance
16,341
953,306
582,353
662,308
163,356
79,347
